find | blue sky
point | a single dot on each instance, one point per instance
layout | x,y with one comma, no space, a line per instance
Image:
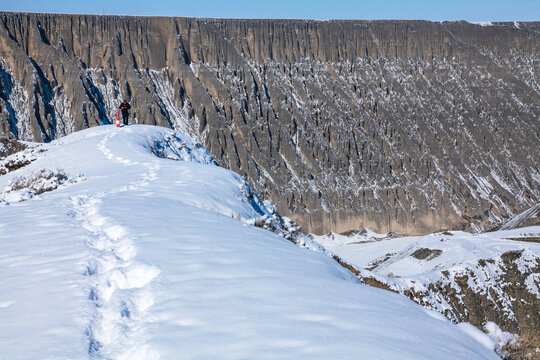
469,10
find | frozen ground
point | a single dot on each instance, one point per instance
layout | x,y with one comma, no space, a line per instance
138,251
474,277
422,255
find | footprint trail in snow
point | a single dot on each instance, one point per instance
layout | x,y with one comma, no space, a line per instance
119,284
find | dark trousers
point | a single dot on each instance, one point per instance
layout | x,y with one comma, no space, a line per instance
125,117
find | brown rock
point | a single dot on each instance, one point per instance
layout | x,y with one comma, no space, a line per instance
409,126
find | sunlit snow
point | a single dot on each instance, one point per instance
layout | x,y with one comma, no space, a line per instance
147,254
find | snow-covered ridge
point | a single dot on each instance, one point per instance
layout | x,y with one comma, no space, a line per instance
148,258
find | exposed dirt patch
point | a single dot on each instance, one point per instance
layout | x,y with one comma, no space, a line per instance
10,147
353,233
531,222
507,301
426,254
479,307
9,163
526,239
24,188
365,279
13,165
346,265
40,182
376,283
527,349
484,262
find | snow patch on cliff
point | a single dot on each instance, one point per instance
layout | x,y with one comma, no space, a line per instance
17,103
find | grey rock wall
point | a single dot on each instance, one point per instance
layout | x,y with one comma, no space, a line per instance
408,126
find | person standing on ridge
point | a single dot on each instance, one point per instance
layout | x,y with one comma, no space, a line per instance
124,106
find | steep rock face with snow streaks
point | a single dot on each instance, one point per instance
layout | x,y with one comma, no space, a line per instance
408,126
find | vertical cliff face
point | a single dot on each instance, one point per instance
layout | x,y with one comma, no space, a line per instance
407,126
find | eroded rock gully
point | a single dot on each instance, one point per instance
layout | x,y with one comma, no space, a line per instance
409,126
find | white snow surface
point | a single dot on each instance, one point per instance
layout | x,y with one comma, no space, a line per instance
478,335
393,255
502,338
426,264
143,258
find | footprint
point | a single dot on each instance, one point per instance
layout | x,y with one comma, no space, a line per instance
90,269
115,232
143,301
124,310
125,251
94,347
118,283
93,296
133,277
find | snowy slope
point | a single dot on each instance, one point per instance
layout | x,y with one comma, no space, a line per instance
403,256
138,256
478,278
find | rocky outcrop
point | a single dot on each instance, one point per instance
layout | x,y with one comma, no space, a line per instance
503,290
409,126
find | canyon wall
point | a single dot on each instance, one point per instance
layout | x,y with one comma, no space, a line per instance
404,126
